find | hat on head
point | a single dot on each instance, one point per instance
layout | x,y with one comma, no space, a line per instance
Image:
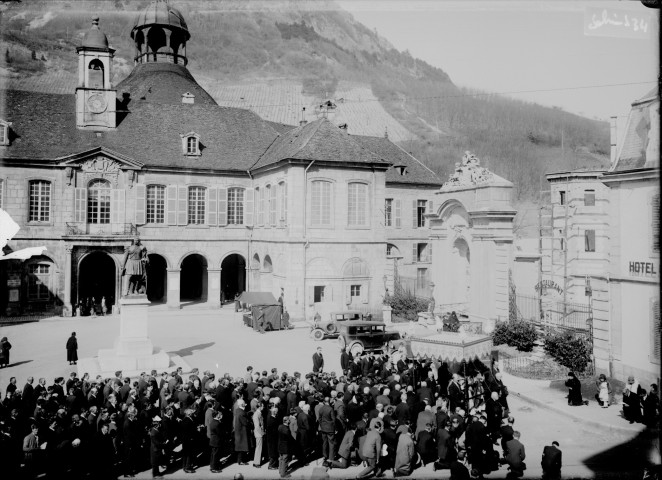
556,443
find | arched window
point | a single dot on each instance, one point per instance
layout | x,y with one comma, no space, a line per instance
357,203
95,74
320,205
196,205
40,201
98,201
235,206
155,204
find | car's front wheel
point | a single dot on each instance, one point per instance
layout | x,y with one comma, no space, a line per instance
317,334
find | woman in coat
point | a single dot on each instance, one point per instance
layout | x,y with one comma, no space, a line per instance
72,349
241,433
574,390
5,346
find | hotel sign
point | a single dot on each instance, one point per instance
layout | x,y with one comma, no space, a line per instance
642,269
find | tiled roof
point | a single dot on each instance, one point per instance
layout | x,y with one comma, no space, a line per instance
414,172
320,140
44,127
281,127
162,83
641,142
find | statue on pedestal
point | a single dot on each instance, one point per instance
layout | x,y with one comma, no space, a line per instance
134,267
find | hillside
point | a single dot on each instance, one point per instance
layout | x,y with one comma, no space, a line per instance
278,57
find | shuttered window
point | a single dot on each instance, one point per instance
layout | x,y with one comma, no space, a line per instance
235,206
320,205
155,204
656,222
196,205
589,240
357,202
282,203
398,213
273,207
98,202
40,201
388,212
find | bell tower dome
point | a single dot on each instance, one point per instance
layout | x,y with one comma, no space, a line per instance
160,34
95,97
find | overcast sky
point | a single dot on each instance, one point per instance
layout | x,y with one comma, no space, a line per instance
514,46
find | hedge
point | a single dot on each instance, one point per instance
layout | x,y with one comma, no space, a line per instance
406,305
569,350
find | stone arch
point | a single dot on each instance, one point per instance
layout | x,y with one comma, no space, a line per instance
156,39
95,280
319,267
267,265
34,279
266,275
95,74
356,283
255,273
452,212
193,277
157,277
355,267
461,266
392,250
233,275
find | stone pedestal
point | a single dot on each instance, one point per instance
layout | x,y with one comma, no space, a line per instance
133,350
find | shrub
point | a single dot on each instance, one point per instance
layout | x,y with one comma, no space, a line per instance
406,305
569,350
517,333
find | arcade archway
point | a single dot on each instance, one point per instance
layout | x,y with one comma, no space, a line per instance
233,276
255,274
193,278
266,282
97,279
156,278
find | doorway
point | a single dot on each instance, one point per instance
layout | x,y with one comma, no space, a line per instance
156,278
233,276
97,279
193,278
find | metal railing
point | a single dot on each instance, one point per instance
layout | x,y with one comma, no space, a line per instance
75,229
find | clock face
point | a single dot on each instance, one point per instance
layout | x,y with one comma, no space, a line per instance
96,103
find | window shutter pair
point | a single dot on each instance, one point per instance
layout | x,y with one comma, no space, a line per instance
117,205
176,205
249,206
222,206
212,206
141,204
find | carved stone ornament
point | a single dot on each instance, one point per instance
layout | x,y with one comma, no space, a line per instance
468,173
100,165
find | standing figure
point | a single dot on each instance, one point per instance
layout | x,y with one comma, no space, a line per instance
104,308
5,346
135,259
318,361
72,349
632,400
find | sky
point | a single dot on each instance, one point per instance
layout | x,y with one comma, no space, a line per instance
514,46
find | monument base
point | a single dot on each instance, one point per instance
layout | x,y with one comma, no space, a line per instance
133,350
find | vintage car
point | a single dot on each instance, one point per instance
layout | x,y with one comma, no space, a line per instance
362,336
321,329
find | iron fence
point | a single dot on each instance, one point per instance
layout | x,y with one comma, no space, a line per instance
128,229
552,314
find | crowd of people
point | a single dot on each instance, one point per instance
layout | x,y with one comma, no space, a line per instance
383,413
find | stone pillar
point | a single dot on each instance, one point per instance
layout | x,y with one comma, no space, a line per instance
214,287
67,309
173,288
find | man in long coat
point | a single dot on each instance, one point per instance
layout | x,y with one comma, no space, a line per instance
215,434
240,424
318,361
273,422
156,446
72,349
258,432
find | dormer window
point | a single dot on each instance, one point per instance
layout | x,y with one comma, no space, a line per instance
4,132
188,97
401,169
191,143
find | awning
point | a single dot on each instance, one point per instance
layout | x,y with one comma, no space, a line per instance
258,298
24,253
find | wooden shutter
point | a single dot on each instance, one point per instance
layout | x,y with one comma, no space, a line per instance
212,206
430,206
310,294
328,293
398,216
430,252
222,206
141,204
117,205
249,206
655,330
415,214
80,204
182,204
364,293
273,207
171,204
414,253
348,294
656,222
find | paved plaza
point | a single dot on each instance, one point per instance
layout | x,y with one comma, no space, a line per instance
596,443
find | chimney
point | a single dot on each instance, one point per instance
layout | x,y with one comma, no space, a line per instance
302,122
343,126
613,139
188,97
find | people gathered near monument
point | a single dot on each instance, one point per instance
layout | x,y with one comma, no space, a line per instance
379,414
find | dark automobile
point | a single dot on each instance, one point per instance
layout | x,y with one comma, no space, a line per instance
362,336
330,328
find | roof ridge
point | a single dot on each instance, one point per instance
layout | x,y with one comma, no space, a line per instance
416,159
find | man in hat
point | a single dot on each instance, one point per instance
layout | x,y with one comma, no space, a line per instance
318,361
551,462
215,434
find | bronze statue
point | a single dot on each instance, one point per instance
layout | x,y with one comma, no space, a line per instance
134,267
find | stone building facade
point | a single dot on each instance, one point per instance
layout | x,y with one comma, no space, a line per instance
223,200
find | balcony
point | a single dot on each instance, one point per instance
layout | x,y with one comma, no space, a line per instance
100,230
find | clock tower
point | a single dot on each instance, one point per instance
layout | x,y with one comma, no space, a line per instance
95,98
